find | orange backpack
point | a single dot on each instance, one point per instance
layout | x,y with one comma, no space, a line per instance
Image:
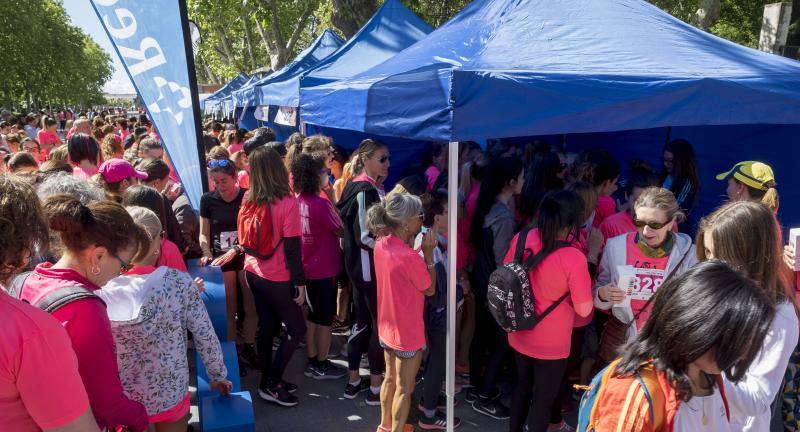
255,230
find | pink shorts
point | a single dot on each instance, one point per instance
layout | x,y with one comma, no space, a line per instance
173,414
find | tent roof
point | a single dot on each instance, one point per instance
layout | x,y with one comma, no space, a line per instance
325,44
530,67
392,29
225,91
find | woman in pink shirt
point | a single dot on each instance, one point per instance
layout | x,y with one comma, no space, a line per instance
559,279
322,262
99,241
403,281
48,138
277,282
84,153
40,387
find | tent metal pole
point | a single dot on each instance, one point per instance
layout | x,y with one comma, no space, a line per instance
452,250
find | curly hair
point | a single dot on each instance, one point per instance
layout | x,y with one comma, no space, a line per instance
306,170
23,227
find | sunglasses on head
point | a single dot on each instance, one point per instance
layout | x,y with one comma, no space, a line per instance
652,225
221,163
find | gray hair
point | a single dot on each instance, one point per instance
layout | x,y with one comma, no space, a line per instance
147,219
65,183
386,216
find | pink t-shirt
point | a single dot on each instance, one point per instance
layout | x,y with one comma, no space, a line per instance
47,140
617,224
89,330
322,257
605,208
85,174
431,174
243,179
285,223
635,257
171,256
40,387
402,277
565,270
233,148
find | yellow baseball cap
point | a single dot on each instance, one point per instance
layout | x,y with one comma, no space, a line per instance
755,174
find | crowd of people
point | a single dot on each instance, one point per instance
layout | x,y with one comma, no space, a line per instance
692,327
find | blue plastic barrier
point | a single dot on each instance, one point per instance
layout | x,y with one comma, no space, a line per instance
213,297
231,362
231,413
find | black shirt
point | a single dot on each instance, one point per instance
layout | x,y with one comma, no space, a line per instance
223,217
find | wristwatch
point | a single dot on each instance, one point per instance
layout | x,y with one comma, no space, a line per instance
238,249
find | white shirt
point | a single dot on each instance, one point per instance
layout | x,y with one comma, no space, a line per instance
750,399
690,416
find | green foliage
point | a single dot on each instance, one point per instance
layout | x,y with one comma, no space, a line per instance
49,61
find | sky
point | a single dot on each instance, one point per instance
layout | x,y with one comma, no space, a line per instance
82,15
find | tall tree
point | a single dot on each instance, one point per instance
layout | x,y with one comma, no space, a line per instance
350,15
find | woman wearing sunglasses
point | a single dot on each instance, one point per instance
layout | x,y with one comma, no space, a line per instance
648,256
99,242
218,238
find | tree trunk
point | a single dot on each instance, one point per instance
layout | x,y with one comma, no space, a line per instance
350,15
706,14
248,40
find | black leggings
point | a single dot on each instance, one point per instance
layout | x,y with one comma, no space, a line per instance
435,367
488,350
364,334
537,386
275,305
573,364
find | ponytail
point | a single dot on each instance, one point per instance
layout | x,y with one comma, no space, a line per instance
771,200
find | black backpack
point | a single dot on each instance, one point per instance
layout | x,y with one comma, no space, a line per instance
509,295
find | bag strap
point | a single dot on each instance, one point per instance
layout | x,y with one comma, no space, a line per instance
16,285
63,296
669,276
647,395
519,252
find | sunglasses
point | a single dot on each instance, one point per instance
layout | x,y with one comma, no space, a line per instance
652,225
221,163
123,266
383,159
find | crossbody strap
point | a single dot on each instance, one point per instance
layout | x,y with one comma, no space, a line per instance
669,276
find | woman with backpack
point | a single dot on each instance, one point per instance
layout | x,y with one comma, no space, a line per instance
743,234
371,167
99,242
648,256
704,322
274,269
493,227
561,288
403,280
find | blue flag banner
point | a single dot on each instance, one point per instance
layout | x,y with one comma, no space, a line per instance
149,38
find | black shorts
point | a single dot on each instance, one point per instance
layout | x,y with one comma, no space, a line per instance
321,300
236,264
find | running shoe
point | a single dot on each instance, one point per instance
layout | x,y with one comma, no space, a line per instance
373,399
278,395
291,388
491,408
441,403
462,370
472,394
561,427
351,390
310,369
327,370
437,422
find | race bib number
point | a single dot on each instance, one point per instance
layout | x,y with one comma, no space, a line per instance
640,283
227,240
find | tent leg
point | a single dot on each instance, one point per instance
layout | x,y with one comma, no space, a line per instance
452,250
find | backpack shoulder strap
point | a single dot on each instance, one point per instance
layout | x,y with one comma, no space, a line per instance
519,252
17,283
648,379
721,386
63,296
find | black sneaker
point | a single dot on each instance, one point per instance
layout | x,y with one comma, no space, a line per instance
278,395
351,390
327,370
291,388
437,422
311,368
491,408
373,399
473,393
441,403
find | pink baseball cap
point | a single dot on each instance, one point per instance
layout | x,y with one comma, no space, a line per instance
115,170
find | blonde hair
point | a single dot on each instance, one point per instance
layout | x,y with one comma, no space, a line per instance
366,149
386,216
147,219
238,159
660,199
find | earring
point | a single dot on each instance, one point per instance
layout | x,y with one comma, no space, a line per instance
95,271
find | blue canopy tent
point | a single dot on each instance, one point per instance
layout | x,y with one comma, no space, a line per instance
213,102
504,68
325,44
392,29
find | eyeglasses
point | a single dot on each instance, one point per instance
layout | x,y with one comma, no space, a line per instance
383,159
652,225
421,216
123,266
221,163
